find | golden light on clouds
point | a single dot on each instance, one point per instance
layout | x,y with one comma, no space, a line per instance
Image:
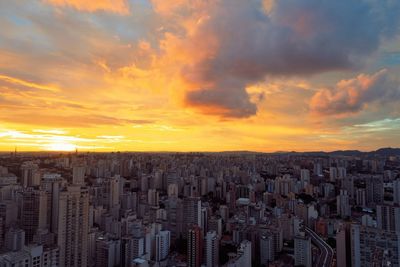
180,75
117,6
16,81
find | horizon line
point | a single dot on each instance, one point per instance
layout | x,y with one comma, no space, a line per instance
194,151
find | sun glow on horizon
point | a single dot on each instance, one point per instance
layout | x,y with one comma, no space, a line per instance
60,147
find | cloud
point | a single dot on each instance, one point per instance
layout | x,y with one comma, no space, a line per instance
377,126
350,96
52,131
229,101
28,84
115,6
168,7
232,44
67,121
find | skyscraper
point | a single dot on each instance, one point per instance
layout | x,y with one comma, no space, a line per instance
243,256
396,191
341,172
108,252
163,240
191,212
302,250
342,204
388,218
113,187
343,246
304,177
212,249
152,197
267,249
14,239
333,174
72,235
52,184
318,168
28,171
360,197
78,175
33,211
374,190
369,245
195,246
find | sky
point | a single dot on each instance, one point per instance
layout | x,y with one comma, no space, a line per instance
199,75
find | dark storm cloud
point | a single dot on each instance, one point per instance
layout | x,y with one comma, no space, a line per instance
300,37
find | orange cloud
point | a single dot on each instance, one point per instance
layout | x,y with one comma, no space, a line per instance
167,7
28,84
352,95
84,120
115,6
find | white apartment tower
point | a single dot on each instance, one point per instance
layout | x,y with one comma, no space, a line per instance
163,240
302,250
212,249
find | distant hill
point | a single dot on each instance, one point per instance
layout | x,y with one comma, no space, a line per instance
388,151
347,153
382,152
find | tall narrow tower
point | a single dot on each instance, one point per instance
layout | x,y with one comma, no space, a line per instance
33,212
73,224
195,246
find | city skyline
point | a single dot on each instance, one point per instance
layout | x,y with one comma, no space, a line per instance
180,75
200,209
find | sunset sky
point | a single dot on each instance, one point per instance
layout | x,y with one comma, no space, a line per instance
199,75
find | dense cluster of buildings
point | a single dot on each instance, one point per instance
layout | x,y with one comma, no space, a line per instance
199,209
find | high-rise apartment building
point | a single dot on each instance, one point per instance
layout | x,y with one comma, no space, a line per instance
212,249
33,211
191,212
113,186
341,172
396,191
371,246
304,177
342,204
152,197
374,190
243,256
14,239
388,217
361,199
108,252
29,174
333,174
73,224
78,175
267,249
343,246
163,241
195,246
52,184
302,250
